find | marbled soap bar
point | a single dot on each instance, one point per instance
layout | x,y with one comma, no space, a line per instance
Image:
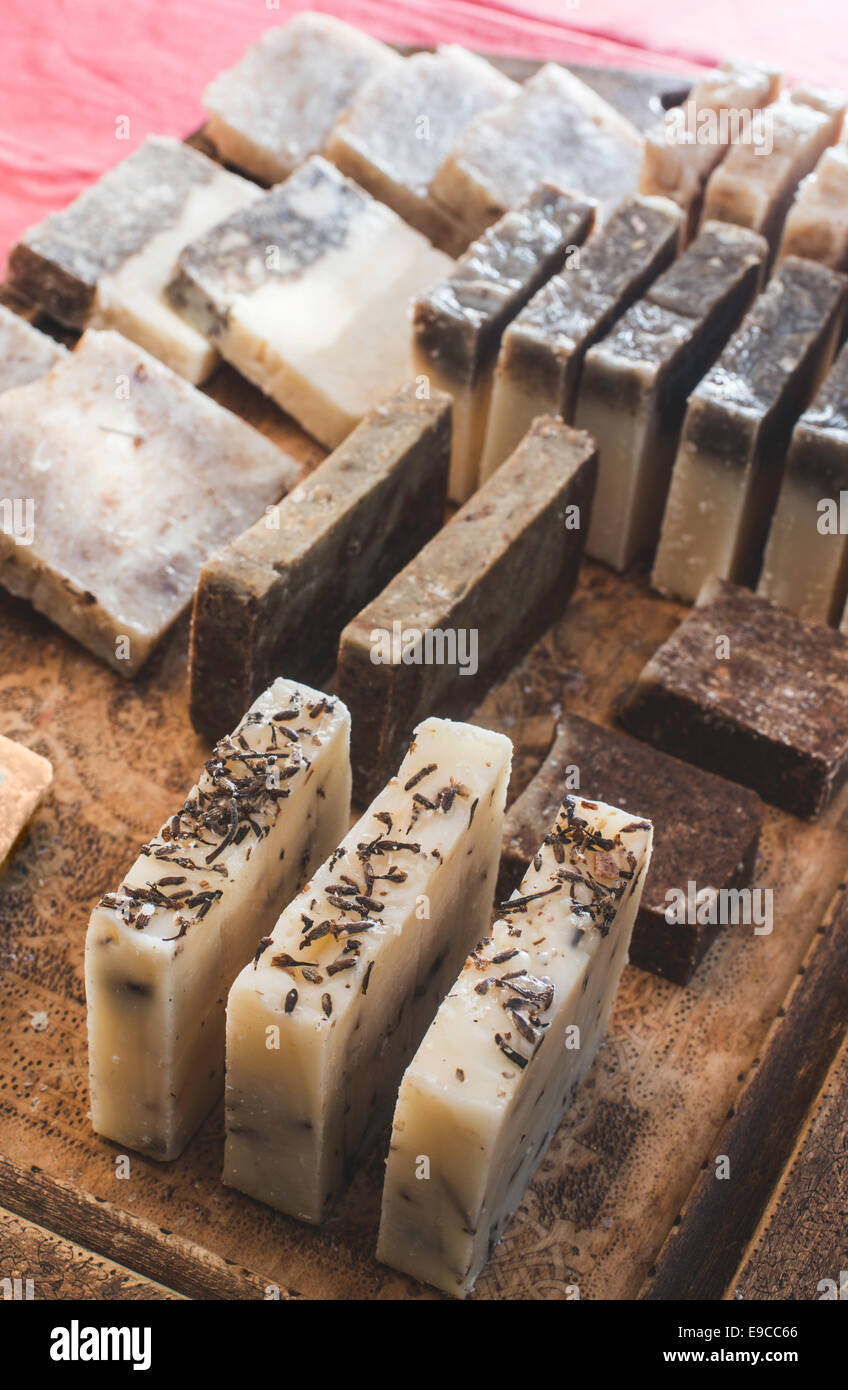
322,1024
738,422
471,602
130,479
401,125
817,222
542,350
163,950
278,105
277,598
457,325
509,1047
25,353
307,292
636,382
556,128
105,260
25,780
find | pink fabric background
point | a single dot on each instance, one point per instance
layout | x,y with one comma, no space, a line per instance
69,69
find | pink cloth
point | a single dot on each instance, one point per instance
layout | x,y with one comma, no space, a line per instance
71,69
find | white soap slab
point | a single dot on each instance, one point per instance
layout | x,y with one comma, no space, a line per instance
25,353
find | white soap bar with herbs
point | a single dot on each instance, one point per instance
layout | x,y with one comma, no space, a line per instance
322,1024
163,950
509,1047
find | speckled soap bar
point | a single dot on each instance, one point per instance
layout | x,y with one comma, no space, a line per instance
25,353
25,779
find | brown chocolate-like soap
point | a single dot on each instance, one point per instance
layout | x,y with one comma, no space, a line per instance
706,831
746,689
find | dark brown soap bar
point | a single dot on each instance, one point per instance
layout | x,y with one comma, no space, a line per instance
275,600
474,599
746,689
706,831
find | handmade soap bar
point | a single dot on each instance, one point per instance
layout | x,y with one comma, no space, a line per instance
25,353
738,422
806,559
542,350
134,480
322,1024
746,689
636,381
706,832
164,949
457,325
724,106
755,189
471,602
817,222
25,780
277,598
307,293
278,105
106,259
509,1047
556,128
401,126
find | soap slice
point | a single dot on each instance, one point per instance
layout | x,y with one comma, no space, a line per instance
278,105
542,350
401,126
806,559
135,479
772,715
471,602
636,381
457,325
817,223
322,1024
277,598
25,353
556,128
163,950
706,831
755,188
105,260
25,780
738,422
509,1047
307,293
681,151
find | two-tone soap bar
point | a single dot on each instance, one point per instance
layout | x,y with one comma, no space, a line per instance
164,948
817,223
322,1024
510,1046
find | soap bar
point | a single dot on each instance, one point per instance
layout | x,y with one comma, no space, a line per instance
556,128
134,479
773,714
163,950
105,260
636,381
400,128
25,353
542,350
278,105
817,222
25,780
307,293
806,559
471,602
681,151
321,1026
706,832
277,598
755,189
509,1047
457,325
738,422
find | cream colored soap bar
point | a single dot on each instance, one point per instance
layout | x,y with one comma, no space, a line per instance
322,1024
25,353
278,105
308,294
817,224
163,950
509,1047
25,780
